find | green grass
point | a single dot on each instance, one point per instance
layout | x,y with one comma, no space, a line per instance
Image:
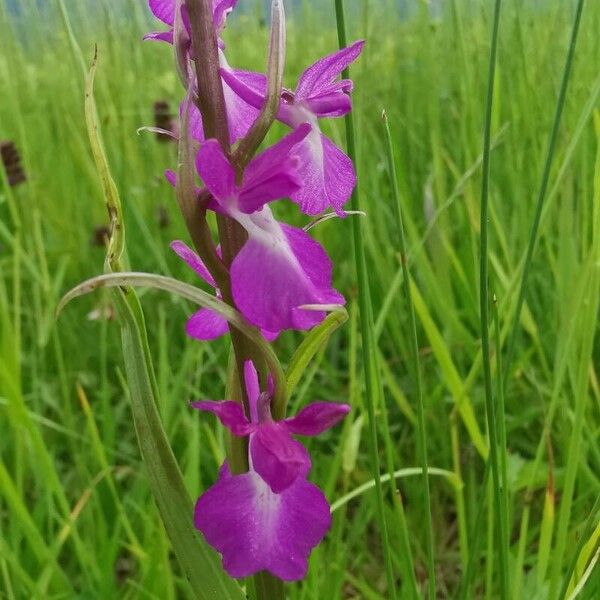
76,516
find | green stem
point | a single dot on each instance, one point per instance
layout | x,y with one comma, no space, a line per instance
370,360
414,348
491,410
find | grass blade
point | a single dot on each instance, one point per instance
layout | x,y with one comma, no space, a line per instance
370,358
491,409
414,359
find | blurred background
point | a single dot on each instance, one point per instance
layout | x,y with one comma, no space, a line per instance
76,516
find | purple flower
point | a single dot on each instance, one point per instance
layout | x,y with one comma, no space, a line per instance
271,517
205,324
327,173
240,115
280,268
164,10
255,529
275,455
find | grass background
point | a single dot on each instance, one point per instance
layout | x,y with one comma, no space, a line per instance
76,516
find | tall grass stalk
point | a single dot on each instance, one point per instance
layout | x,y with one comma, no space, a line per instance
369,349
414,360
541,197
491,410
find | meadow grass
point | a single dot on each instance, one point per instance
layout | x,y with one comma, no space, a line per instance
77,519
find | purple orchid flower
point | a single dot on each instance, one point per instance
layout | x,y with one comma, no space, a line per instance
280,268
271,517
240,115
164,10
206,324
275,455
327,173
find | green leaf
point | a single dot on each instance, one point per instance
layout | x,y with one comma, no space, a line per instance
311,344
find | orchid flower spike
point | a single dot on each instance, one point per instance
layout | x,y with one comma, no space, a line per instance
327,173
271,517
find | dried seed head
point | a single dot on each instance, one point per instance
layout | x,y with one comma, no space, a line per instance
163,119
11,161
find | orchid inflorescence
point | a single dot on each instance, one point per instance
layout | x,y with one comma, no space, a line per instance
268,516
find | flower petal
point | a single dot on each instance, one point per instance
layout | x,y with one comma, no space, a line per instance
230,413
255,529
319,76
221,9
206,325
316,418
249,86
215,170
252,389
314,262
163,10
326,172
270,280
160,36
272,174
277,457
193,260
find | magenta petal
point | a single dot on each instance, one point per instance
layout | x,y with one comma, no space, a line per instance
252,388
206,325
250,87
333,104
193,260
221,9
314,262
240,115
255,529
272,174
230,413
321,74
163,10
160,36
327,174
277,457
316,418
269,282
215,170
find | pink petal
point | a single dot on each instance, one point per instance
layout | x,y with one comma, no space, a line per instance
215,170
252,388
221,9
320,75
270,280
163,10
314,262
277,457
193,260
231,415
255,529
272,174
206,325
160,36
316,418
250,87
327,174
332,103
240,116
